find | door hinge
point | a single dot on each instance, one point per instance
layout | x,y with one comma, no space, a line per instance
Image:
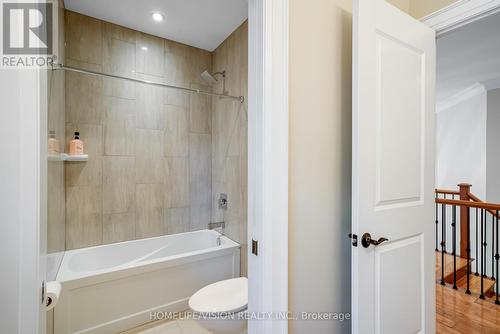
43,292
354,239
255,247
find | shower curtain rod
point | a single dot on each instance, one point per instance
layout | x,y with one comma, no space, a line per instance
148,82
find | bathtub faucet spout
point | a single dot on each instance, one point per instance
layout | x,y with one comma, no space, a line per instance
222,225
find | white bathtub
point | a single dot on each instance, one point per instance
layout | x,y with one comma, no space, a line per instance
111,288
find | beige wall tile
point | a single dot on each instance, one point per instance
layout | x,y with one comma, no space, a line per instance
176,134
119,126
83,216
177,220
83,98
90,172
199,60
149,107
118,184
244,146
218,187
200,170
56,238
149,218
200,111
119,138
56,105
118,227
149,54
229,132
177,70
226,132
118,32
176,97
177,182
232,229
83,38
177,49
56,205
119,88
243,260
149,156
200,180
199,217
118,57
200,157
233,188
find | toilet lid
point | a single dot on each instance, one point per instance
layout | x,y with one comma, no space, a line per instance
224,296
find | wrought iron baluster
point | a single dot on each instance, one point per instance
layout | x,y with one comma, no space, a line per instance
468,252
443,227
477,244
497,257
443,243
482,254
492,247
453,225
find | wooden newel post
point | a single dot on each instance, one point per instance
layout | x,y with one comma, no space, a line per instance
464,219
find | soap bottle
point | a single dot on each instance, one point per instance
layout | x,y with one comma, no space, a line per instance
53,144
76,145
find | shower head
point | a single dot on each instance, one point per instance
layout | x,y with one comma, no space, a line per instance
210,78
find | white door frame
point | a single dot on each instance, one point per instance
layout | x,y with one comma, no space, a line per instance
24,221
268,162
459,14
33,189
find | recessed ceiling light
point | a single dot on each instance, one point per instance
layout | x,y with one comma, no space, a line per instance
144,48
158,17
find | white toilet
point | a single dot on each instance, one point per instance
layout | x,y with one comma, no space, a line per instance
221,306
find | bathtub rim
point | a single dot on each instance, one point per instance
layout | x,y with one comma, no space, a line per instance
71,279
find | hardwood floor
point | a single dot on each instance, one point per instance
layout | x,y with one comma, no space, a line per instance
457,312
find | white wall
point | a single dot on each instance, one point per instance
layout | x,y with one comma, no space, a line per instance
10,228
461,144
493,147
320,162
421,8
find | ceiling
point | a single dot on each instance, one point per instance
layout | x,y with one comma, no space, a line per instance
203,24
467,56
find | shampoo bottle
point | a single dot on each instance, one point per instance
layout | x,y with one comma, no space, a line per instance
53,145
76,145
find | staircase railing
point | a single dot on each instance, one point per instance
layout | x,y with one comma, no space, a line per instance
458,234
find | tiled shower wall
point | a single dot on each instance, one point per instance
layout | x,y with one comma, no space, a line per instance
55,169
150,164
159,158
229,138
56,230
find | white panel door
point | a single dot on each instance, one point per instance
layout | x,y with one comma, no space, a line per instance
393,171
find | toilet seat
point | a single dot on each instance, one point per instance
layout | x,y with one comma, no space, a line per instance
228,296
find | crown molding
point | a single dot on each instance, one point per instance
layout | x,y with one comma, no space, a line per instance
459,14
461,96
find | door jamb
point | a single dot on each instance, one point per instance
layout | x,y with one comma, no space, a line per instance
268,162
